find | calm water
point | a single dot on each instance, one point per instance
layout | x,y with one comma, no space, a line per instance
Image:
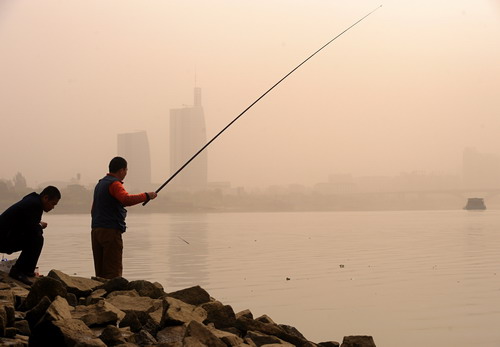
419,278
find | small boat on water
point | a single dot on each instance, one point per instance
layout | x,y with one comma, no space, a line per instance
475,204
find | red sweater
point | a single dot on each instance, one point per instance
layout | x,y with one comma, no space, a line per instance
117,190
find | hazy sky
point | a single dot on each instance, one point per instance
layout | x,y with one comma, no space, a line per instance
406,89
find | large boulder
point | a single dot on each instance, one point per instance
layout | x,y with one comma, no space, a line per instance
171,334
112,336
141,312
179,312
127,303
114,284
202,334
193,295
262,339
244,324
101,313
8,312
64,332
80,286
59,309
23,327
45,286
222,316
34,315
146,288
7,297
228,338
96,296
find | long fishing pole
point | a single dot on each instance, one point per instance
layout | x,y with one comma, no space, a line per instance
257,100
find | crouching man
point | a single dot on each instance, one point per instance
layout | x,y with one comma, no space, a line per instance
21,229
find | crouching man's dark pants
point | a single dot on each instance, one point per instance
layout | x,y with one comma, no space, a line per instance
30,243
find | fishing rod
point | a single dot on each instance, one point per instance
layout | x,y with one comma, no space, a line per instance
256,101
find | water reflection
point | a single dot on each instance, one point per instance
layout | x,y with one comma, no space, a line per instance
171,249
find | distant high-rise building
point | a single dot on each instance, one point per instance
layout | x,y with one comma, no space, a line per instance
188,136
134,147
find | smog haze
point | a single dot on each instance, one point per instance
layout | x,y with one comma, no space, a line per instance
407,89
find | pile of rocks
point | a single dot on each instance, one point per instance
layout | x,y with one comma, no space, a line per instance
63,310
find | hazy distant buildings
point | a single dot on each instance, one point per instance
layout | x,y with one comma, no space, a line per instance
480,170
187,137
134,147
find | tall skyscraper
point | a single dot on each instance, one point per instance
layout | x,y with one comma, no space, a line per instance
187,136
134,147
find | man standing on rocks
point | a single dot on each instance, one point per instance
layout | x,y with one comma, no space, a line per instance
108,219
21,229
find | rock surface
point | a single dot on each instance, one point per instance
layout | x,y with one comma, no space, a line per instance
63,310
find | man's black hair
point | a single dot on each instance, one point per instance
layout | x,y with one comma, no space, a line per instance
116,164
52,192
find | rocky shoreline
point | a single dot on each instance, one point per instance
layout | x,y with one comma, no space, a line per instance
63,310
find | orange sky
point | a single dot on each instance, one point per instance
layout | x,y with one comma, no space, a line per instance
407,89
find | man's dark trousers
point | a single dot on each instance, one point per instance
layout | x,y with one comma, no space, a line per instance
30,243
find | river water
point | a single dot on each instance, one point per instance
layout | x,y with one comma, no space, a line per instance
408,278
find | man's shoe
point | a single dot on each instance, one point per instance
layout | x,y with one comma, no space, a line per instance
19,276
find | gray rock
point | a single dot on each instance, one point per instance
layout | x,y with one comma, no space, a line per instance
102,313
222,316
228,338
173,334
64,332
131,320
7,297
114,284
245,313
135,304
262,339
8,312
23,327
245,324
143,337
193,295
19,341
72,299
112,336
79,286
265,319
202,334
179,312
45,286
291,330
358,341
37,312
59,309
96,296
146,288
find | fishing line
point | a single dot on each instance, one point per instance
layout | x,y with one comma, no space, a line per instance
257,100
